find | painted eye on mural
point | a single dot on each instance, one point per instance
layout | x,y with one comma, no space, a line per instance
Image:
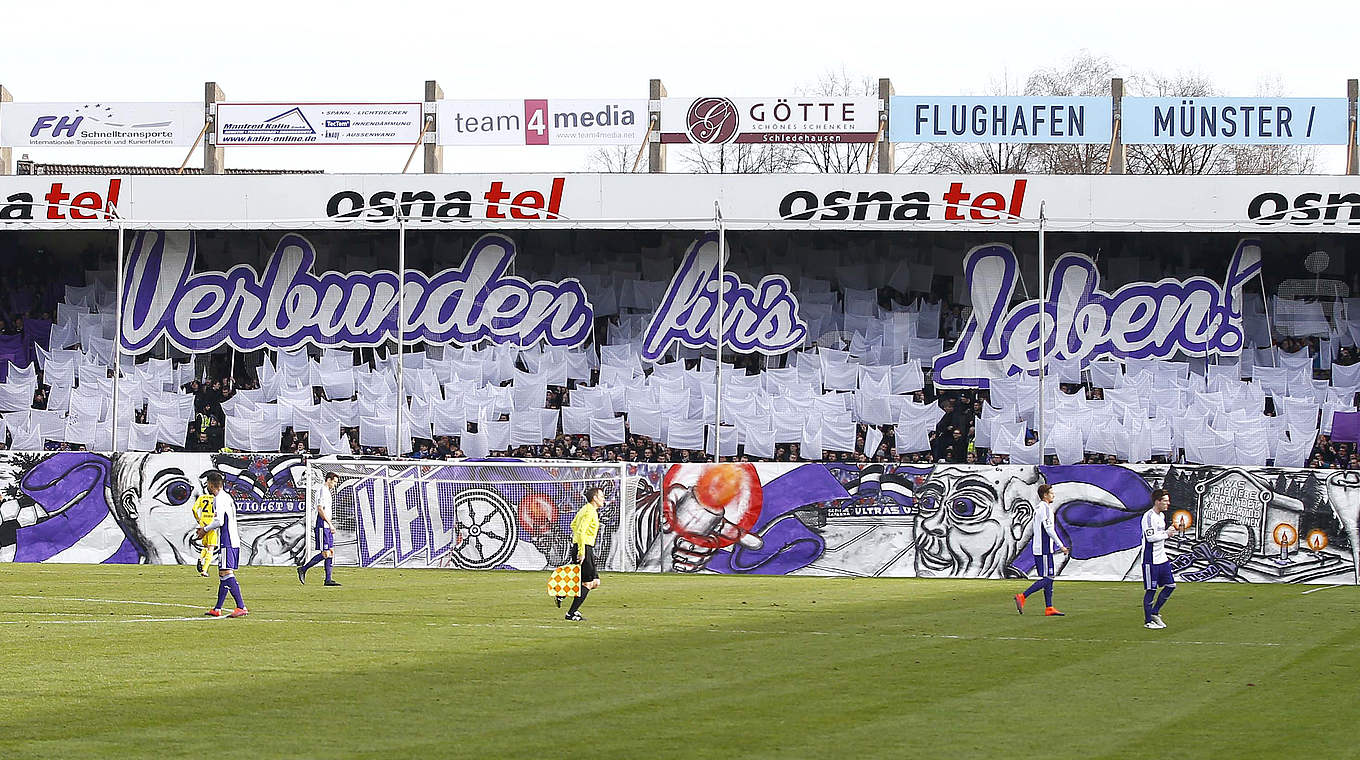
965,507
927,503
176,493
970,504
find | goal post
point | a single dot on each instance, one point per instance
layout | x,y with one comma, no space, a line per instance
482,515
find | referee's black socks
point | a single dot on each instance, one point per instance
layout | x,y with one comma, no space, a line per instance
576,603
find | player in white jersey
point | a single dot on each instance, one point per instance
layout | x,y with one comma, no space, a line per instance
224,522
1045,538
1156,567
323,530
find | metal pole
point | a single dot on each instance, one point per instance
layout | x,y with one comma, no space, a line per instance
117,339
1043,329
722,274
401,324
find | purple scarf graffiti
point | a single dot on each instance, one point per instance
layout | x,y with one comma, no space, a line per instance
75,523
132,508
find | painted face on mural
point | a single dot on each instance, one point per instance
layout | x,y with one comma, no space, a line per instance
973,522
153,495
1343,493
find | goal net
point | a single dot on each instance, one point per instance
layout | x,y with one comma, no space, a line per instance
470,515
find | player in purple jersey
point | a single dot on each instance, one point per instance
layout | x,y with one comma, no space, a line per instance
229,538
323,530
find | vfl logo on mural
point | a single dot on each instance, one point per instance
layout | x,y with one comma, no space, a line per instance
762,318
712,121
1144,320
287,306
402,519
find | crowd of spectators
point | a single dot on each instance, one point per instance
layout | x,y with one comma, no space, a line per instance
953,440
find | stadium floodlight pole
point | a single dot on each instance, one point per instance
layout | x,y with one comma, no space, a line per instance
1270,330
717,371
401,323
1043,332
117,329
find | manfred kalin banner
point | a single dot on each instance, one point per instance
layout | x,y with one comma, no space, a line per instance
318,123
96,124
1143,320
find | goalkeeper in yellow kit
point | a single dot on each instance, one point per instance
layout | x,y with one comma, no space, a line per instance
204,513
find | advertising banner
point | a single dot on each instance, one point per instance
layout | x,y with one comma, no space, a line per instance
89,124
598,121
796,119
318,123
1238,121
1237,203
999,120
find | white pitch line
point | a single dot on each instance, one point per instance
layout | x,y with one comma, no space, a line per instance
204,619
108,601
1321,588
160,604
1095,641
1042,639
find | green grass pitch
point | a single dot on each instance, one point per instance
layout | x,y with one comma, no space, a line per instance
104,661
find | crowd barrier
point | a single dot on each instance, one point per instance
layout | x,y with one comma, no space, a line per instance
1244,524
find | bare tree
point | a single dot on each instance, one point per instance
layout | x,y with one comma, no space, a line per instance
616,159
1085,75
740,158
853,158
837,158
1176,159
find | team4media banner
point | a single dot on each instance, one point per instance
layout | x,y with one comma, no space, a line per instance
542,121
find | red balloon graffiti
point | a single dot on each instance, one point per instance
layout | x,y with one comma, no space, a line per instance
537,513
731,490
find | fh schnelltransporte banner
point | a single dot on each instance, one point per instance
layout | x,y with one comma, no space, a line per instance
98,124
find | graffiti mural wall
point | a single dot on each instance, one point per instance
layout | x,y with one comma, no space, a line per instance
1257,525
135,508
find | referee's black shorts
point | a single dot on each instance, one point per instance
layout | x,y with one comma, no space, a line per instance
588,571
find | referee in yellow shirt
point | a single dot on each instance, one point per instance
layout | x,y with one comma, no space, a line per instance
584,526
204,513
